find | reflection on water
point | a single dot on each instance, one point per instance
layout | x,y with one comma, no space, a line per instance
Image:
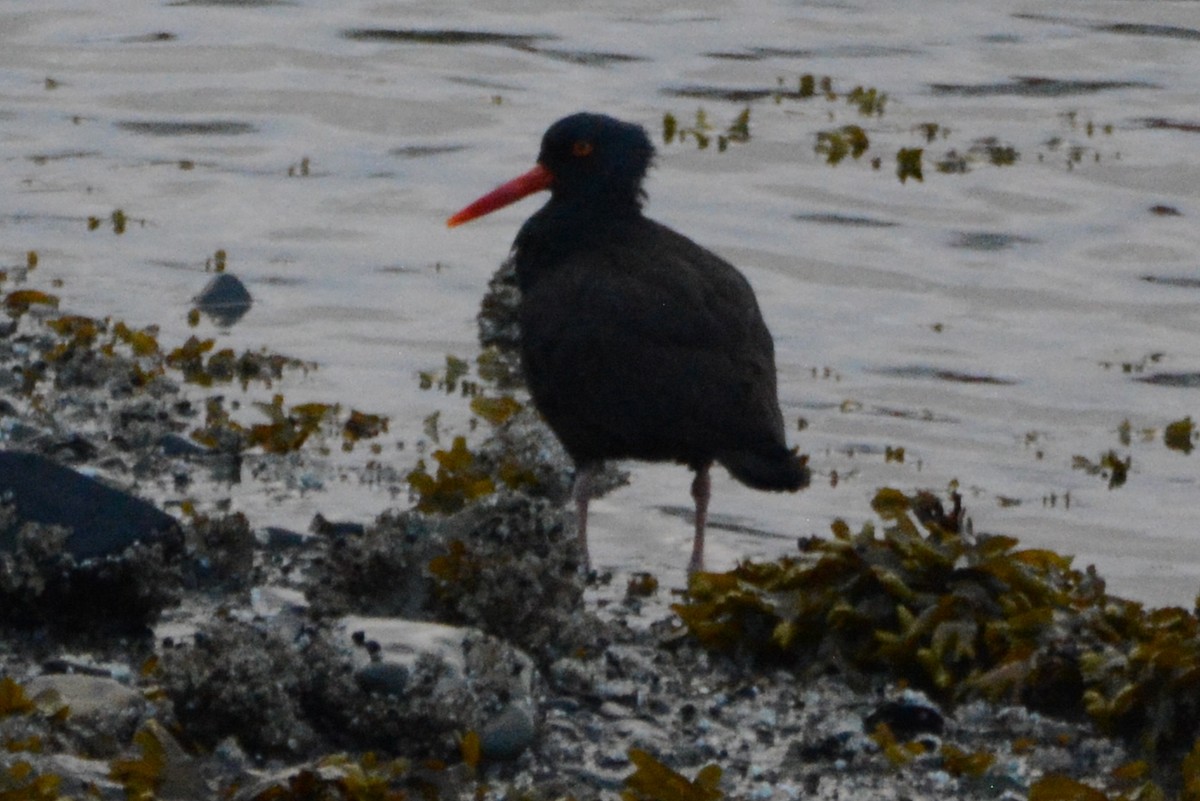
992,322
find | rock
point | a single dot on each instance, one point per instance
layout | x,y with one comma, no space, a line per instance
103,521
279,538
171,444
104,713
402,642
246,681
87,601
78,777
508,565
907,718
87,696
385,678
225,299
457,678
506,736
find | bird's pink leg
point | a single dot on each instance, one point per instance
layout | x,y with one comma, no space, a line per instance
583,493
701,490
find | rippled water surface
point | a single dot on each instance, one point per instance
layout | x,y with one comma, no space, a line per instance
999,321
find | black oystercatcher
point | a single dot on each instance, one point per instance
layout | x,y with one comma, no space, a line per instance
636,342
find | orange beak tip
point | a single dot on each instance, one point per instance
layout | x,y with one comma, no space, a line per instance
536,180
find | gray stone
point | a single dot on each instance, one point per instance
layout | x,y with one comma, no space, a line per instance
508,735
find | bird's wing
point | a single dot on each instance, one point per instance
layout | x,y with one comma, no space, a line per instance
653,341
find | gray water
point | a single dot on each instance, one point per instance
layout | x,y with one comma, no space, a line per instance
995,323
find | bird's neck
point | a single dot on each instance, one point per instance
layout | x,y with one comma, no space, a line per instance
566,225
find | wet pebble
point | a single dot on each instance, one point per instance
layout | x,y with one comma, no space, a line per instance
385,678
507,736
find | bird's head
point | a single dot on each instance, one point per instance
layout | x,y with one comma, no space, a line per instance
584,157
596,155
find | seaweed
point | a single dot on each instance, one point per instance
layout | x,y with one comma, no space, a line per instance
459,479
1110,466
870,102
13,700
848,140
701,130
141,775
654,781
908,164
19,301
118,218
924,601
1180,435
21,782
342,777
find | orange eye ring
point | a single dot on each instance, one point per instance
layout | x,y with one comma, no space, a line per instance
581,148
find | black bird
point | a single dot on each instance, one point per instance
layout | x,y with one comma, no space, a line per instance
636,342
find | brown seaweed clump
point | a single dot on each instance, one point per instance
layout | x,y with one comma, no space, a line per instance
964,617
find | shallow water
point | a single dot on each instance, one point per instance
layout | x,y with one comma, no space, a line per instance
994,323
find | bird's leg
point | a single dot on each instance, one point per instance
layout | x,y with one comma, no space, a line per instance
701,490
583,493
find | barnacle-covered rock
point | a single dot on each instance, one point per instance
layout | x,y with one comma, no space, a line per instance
507,564
43,585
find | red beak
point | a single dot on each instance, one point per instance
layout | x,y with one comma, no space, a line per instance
535,180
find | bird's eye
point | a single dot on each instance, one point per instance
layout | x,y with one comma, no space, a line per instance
581,148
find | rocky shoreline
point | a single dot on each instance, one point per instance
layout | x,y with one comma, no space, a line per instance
456,653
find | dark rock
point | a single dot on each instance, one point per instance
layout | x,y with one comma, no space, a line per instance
279,538
226,299
43,586
336,528
906,719
175,445
508,735
386,678
102,520
75,448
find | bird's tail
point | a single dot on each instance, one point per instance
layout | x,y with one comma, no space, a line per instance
775,468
